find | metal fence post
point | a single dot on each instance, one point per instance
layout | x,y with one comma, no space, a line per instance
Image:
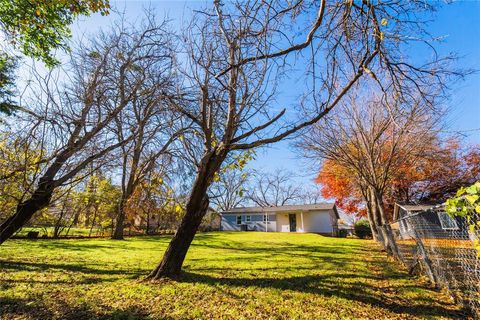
427,263
443,247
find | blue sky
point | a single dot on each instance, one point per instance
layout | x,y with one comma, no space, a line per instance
458,22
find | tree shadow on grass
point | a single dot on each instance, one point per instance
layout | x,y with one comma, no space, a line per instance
328,286
318,256
90,244
32,266
9,283
80,245
260,247
347,283
13,308
18,307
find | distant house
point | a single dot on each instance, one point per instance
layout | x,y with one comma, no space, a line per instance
430,220
318,218
402,210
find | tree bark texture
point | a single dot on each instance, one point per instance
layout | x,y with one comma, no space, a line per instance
389,238
25,210
120,220
129,182
196,208
370,216
172,261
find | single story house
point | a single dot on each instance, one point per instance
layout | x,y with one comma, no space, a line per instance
318,218
430,220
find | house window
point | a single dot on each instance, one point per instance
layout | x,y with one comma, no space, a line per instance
239,219
248,219
447,222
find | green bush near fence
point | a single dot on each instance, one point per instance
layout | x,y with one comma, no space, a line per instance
362,229
466,204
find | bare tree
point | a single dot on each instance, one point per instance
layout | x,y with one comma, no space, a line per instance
373,142
274,189
73,121
150,114
237,54
230,191
310,195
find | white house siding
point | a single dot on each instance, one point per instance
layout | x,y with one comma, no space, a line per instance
317,218
229,222
283,225
283,222
319,222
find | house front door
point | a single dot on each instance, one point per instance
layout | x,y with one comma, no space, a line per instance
292,219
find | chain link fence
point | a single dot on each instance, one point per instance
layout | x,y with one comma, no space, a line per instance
443,248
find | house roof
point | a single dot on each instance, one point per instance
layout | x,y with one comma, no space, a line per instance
411,208
286,208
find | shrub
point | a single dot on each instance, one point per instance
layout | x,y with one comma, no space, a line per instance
466,204
342,233
362,229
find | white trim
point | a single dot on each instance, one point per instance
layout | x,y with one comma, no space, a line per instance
301,216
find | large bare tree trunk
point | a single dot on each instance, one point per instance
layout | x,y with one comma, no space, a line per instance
25,210
40,199
128,185
120,220
196,208
370,216
172,261
373,226
377,221
388,237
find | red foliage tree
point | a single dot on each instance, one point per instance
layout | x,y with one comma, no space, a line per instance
438,174
337,183
431,178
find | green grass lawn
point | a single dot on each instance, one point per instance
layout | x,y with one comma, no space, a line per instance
227,276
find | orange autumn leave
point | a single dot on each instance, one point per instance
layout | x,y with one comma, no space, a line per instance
337,184
429,179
